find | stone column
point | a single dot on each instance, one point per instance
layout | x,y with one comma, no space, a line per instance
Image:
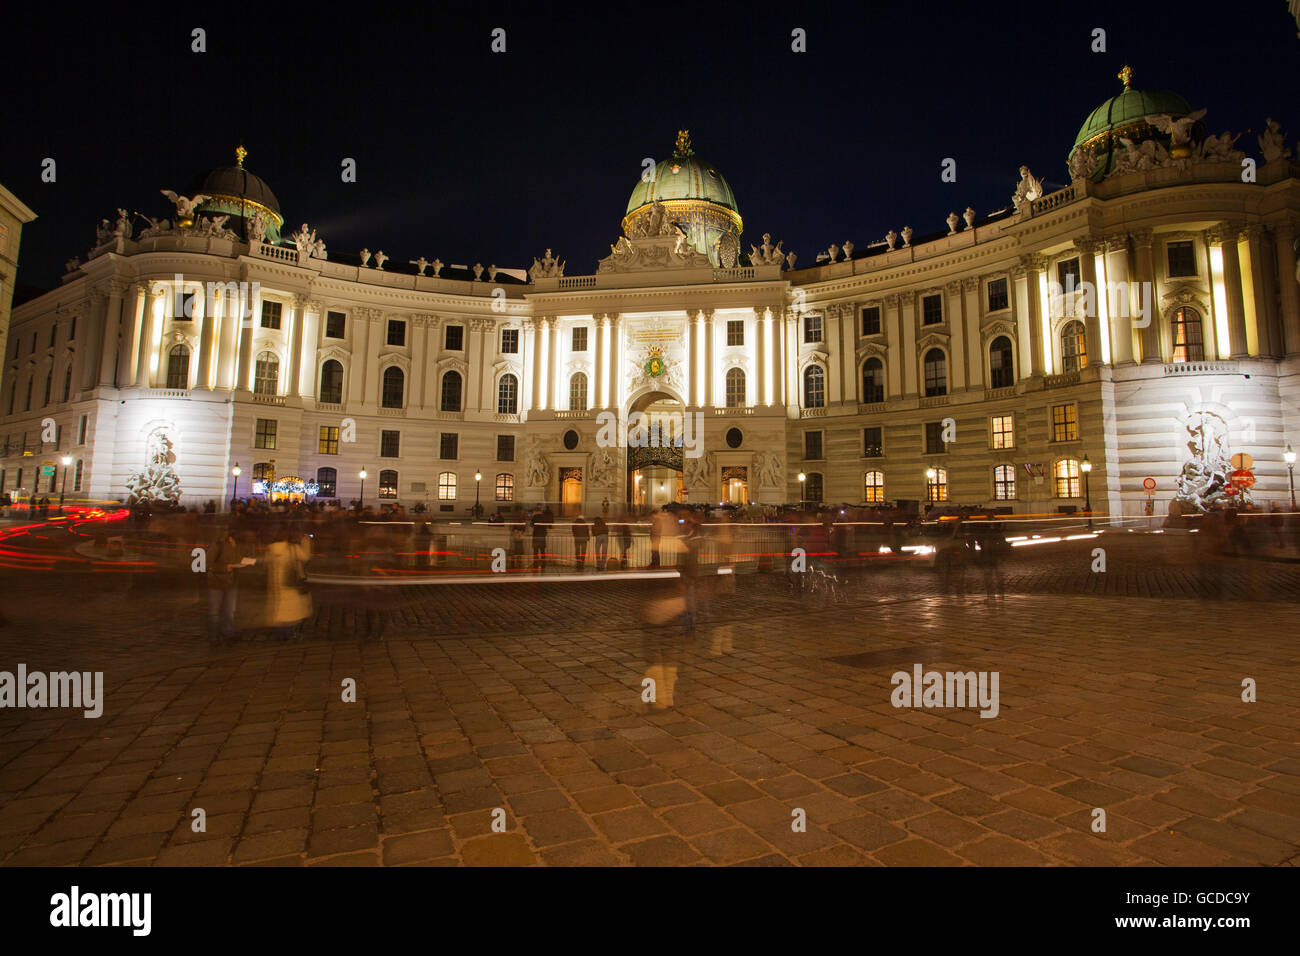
1119,307
615,356
1033,266
831,331
211,316
957,358
232,320
693,320
793,387
1091,322
894,345
1149,336
294,381
910,359
305,387
360,335
558,382
541,339
475,353
1267,327
708,358
110,341
145,352
849,352
244,381
1237,343
599,376
970,321
760,356
1284,250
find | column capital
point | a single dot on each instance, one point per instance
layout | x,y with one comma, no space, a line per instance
971,283
1088,246
1142,237
891,300
1253,232
907,297
1033,262
953,287
1116,243
708,315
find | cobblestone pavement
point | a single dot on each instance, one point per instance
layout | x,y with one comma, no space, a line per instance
529,701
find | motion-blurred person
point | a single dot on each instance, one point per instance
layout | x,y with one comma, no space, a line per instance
226,556
992,543
625,540
581,535
688,566
600,531
287,599
656,535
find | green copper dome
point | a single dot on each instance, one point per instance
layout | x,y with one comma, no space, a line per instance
1128,108
683,178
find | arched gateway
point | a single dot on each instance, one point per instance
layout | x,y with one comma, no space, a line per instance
655,438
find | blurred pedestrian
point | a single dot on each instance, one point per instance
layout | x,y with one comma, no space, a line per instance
625,540
600,531
581,534
226,556
288,602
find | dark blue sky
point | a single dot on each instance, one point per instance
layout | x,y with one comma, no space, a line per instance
473,156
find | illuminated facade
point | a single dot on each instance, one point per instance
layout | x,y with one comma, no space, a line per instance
938,366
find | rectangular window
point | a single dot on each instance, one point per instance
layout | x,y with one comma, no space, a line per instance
873,444
505,487
505,448
510,341
447,486
449,446
1181,260
812,446
934,444
336,325
72,330
455,338
1067,274
271,314
997,293
932,310
264,435
580,338
390,443
735,331
329,440
1065,422
76,475
396,332
388,483
812,328
1004,483
871,320
81,429
1003,431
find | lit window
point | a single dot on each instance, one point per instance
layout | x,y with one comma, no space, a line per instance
873,491
388,483
812,328
936,485
814,387
578,392
1189,346
264,433
266,374
1065,422
735,388
447,486
1004,431
505,487
1004,482
329,440
508,395
1067,478
1074,349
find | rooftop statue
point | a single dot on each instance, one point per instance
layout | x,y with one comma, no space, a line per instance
184,205
1272,143
1027,190
1179,130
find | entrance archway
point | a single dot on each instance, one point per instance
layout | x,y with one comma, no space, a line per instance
571,491
654,454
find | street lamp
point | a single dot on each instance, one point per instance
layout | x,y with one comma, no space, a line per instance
1289,456
931,489
1086,467
234,495
802,500
361,502
478,477
67,461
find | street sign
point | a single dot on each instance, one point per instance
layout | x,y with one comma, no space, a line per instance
1149,484
1242,478
1243,461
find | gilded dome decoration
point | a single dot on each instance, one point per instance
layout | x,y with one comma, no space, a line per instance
696,196
1126,115
234,191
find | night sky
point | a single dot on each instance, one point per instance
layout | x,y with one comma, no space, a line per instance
472,156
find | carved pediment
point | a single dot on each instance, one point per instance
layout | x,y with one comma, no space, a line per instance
652,253
991,330
339,354
867,349
452,363
391,357
1185,293
933,339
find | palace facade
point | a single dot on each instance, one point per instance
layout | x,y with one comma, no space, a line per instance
1141,323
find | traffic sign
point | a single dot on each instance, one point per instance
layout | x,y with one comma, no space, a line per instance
1243,461
1149,484
1242,478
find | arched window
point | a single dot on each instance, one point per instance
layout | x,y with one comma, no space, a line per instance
508,395
735,388
505,487
936,484
1189,345
1002,369
814,387
263,475
178,367
447,486
936,373
1074,349
1004,482
327,482
451,382
578,392
873,381
331,382
394,387
49,386
873,491
388,483
1066,475
67,382
266,374
812,490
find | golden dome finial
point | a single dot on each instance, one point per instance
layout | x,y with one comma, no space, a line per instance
1126,76
683,146
240,153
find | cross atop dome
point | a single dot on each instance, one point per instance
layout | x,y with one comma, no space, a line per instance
1126,76
683,147
240,153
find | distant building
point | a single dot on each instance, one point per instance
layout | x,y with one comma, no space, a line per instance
14,214
1143,321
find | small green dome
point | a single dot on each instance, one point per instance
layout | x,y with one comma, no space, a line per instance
1129,107
683,176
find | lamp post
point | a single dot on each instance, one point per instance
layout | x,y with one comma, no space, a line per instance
1086,467
1289,456
361,502
67,461
802,500
478,477
931,490
236,472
